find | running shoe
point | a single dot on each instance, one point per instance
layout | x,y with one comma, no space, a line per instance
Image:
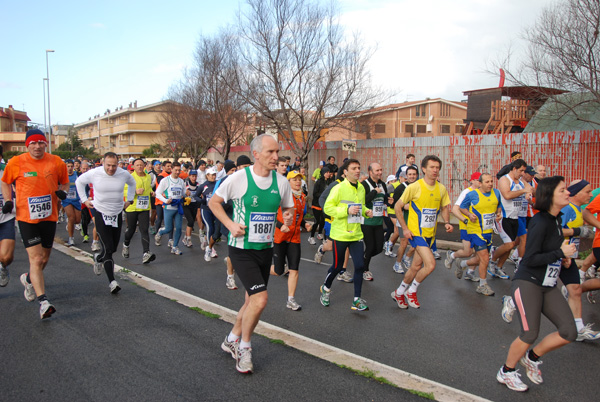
29,291
437,255
243,360
319,254
312,241
152,230
213,253
407,262
203,242
501,274
492,267
77,226
346,277
591,272
86,239
587,333
230,283
98,266
96,245
458,271
293,304
230,347
207,255
157,238
367,275
185,242
114,287
485,290
591,297
125,251
411,299
449,260
400,299
46,309
70,242
359,305
398,268
324,296
148,257
176,251
4,276
170,243
319,236
512,380
532,369
508,309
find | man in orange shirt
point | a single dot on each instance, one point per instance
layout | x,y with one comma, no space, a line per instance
40,180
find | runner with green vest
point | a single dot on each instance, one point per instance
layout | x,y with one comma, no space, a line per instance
376,199
257,193
346,204
138,213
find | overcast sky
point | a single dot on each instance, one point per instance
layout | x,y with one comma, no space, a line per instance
110,53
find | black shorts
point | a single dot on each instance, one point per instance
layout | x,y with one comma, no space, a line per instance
253,267
286,251
570,275
152,202
190,212
596,252
7,230
508,229
38,233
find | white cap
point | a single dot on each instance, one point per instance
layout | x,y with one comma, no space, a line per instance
390,178
211,170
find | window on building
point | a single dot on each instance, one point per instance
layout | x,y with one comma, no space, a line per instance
131,140
409,128
459,129
421,111
445,110
444,128
379,128
421,128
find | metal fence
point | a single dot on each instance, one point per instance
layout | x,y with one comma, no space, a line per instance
572,154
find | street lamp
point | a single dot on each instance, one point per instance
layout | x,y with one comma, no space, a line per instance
48,83
45,121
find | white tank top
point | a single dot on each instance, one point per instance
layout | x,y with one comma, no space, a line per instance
517,206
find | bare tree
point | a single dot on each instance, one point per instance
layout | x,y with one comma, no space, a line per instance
563,52
299,70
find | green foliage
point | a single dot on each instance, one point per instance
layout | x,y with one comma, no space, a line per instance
154,151
205,313
73,146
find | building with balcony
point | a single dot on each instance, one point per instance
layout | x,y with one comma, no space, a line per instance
124,131
13,126
425,118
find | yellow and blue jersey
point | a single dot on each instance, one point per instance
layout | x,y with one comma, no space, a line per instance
425,203
484,206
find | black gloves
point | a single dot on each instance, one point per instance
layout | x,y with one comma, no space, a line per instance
61,194
7,207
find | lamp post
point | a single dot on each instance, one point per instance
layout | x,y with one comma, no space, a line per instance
48,83
45,121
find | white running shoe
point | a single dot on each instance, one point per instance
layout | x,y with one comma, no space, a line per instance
319,254
367,276
437,255
176,251
148,257
114,287
312,241
512,380
243,360
207,257
4,275
46,309
98,266
203,243
508,309
96,245
157,238
449,260
319,236
587,334
29,291
345,276
293,304
532,368
213,253
170,243
230,283
125,251
70,242
398,268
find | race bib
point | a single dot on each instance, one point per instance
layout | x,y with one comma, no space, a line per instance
552,272
143,202
428,217
110,220
488,221
355,218
39,207
72,194
262,226
575,241
378,208
524,205
517,203
176,192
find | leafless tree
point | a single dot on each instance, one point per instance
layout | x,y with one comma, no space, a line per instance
298,70
563,52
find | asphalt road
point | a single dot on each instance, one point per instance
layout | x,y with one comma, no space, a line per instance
457,337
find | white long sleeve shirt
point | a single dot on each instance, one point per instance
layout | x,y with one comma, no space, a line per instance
108,190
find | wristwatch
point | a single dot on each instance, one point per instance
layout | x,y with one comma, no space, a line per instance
466,221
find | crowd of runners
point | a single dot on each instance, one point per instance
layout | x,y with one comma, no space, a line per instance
259,203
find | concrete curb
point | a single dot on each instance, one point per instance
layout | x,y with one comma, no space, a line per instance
399,378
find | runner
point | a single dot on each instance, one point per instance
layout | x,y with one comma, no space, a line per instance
205,193
534,288
466,251
410,161
346,204
191,207
160,211
376,200
257,192
389,219
403,258
287,250
427,197
138,213
7,231
282,165
320,186
71,204
155,174
40,180
593,283
482,207
109,182
86,215
170,192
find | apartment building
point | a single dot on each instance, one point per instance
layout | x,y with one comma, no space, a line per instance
124,131
425,118
13,126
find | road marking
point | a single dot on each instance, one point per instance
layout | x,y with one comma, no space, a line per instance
313,347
